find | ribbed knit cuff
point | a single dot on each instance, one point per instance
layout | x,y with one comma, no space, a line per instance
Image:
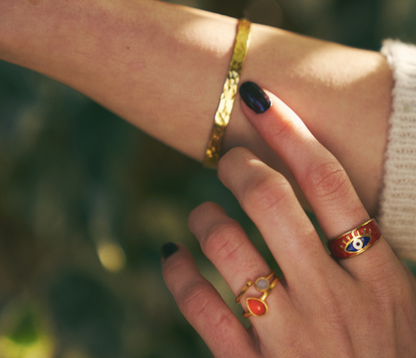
398,198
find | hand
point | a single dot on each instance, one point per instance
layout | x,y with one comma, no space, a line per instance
364,306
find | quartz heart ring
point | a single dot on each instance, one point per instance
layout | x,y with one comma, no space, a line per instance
257,306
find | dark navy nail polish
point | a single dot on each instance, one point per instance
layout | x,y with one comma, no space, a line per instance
169,249
254,97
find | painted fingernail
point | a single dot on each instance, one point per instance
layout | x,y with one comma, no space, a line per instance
169,249
254,97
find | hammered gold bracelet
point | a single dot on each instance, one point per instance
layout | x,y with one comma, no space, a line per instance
222,116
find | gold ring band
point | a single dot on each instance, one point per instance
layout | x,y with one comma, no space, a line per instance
258,306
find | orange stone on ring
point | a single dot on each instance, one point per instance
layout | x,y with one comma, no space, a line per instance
257,307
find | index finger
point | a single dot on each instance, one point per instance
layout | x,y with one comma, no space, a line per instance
318,173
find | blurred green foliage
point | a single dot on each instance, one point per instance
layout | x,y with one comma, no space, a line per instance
25,333
80,187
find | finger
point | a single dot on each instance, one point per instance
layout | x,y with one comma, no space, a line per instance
227,246
204,309
268,199
318,173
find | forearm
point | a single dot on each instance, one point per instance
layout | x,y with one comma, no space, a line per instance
162,68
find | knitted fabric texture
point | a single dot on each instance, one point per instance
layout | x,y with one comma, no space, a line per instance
398,198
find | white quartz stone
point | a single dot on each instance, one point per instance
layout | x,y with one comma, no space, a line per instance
262,284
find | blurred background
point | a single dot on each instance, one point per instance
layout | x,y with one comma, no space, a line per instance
87,200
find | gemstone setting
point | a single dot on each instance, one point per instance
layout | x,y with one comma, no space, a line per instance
257,307
262,284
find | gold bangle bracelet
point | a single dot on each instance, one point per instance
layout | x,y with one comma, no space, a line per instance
222,116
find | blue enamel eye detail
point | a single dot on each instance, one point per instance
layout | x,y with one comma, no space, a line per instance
358,244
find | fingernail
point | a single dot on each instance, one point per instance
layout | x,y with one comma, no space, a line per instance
169,249
254,97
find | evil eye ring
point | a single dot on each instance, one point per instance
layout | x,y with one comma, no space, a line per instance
257,306
356,241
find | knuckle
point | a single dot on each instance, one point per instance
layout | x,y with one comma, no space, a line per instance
266,192
195,302
223,322
223,240
327,180
199,305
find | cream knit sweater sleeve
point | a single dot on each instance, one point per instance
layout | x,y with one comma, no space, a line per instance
398,198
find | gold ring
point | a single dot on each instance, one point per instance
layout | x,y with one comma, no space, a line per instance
355,241
258,306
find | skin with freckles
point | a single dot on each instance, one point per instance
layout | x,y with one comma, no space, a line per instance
364,306
162,67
